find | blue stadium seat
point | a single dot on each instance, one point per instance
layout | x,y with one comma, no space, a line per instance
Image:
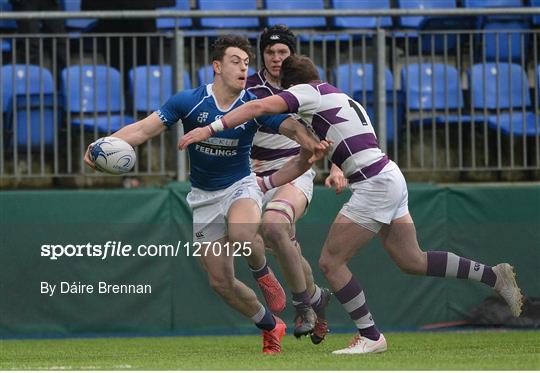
77,24
20,79
492,3
295,22
206,74
355,77
516,123
93,92
151,86
315,37
361,22
27,103
432,89
6,45
431,86
506,86
503,87
497,4
170,23
436,42
229,22
499,29
538,84
415,21
10,24
503,43
535,19
357,81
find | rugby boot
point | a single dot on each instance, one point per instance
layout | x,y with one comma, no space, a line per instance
507,287
321,324
272,338
362,345
304,321
273,292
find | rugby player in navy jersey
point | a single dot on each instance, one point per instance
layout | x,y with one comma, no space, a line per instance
379,202
283,206
225,197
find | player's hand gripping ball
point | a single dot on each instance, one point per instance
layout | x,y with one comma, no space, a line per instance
112,155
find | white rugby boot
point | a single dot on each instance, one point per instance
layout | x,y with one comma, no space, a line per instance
361,345
507,287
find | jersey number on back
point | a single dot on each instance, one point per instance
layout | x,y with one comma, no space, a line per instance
361,116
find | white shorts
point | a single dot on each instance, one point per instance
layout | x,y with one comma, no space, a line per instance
210,208
378,200
303,182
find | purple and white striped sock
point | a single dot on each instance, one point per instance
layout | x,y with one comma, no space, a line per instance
316,299
352,297
301,300
446,264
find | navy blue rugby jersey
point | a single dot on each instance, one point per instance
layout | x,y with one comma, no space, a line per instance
224,158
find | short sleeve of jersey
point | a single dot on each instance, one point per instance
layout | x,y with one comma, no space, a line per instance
272,122
176,108
302,98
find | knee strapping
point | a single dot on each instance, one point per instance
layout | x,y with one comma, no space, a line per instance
282,207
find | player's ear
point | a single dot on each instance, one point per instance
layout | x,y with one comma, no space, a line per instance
217,67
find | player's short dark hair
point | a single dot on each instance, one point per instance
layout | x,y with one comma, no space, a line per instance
227,41
298,70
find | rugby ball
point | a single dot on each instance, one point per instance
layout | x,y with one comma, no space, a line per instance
112,155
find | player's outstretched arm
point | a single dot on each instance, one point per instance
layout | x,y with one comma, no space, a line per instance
134,134
236,117
141,131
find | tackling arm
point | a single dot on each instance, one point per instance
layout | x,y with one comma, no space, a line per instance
242,114
299,133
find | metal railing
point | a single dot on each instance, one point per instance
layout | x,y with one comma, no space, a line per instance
44,132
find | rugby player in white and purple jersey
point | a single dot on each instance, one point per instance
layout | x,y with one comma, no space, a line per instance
283,206
379,203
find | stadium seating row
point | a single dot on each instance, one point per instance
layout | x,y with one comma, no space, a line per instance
92,97
417,22
504,37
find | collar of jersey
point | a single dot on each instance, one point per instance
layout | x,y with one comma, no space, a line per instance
262,77
211,93
265,81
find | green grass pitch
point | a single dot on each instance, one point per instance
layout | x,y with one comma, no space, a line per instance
472,350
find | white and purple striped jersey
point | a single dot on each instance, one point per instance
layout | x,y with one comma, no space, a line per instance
270,151
335,116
